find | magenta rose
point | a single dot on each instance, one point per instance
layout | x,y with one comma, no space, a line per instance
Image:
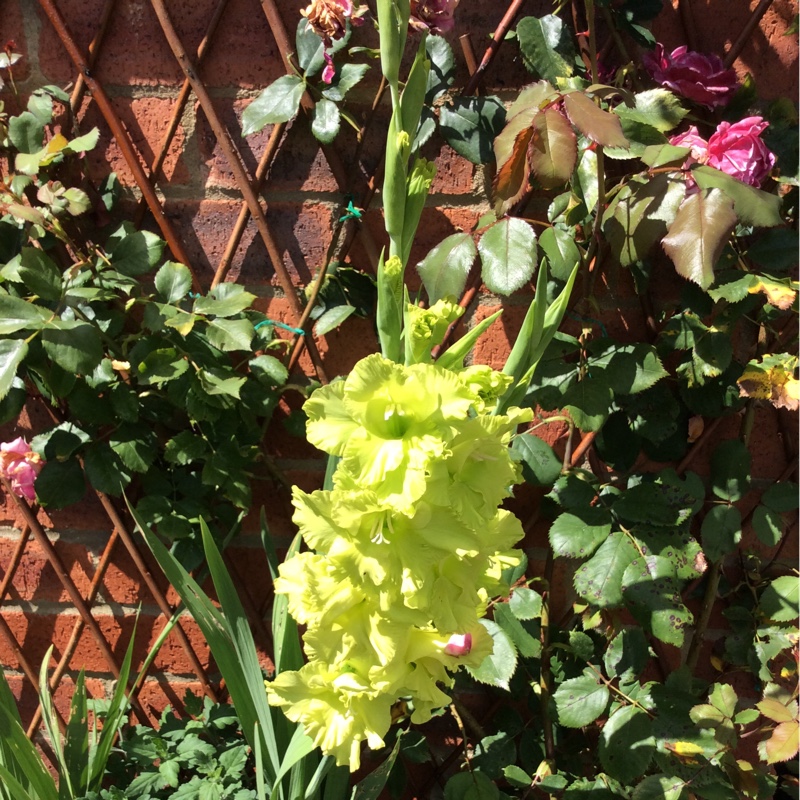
19,465
699,77
435,16
739,150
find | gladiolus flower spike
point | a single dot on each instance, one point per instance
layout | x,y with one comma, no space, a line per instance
406,550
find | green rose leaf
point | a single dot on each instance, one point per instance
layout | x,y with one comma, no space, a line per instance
525,603
659,787
497,668
60,484
325,121
658,109
445,269
561,251
752,206
17,314
697,235
599,580
105,469
640,214
593,122
26,132
224,300
230,334
528,646
470,126
652,592
508,255
626,744
580,701
333,318
347,76
137,253
279,102
443,67
588,402
540,467
470,786
578,534
267,369
74,346
172,282
779,601
12,352
768,525
781,496
39,274
721,531
627,653
546,47
730,471
553,151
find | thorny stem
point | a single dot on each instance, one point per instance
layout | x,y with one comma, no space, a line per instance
590,24
714,574
610,685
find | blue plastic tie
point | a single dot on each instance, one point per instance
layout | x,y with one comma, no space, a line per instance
275,324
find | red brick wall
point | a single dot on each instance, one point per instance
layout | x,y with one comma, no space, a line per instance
142,78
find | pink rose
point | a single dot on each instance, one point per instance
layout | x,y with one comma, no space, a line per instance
330,70
736,150
19,465
695,141
697,76
433,15
459,644
739,151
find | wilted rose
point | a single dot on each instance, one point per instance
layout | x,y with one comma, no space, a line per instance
328,18
435,16
699,77
19,465
736,149
740,151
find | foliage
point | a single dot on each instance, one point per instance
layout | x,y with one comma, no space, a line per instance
81,754
626,188
202,754
156,390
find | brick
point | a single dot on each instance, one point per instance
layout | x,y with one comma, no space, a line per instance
301,232
172,657
146,120
35,579
243,51
454,174
493,347
123,582
298,165
134,50
14,38
167,690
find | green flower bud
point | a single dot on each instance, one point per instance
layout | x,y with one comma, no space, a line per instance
419,184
